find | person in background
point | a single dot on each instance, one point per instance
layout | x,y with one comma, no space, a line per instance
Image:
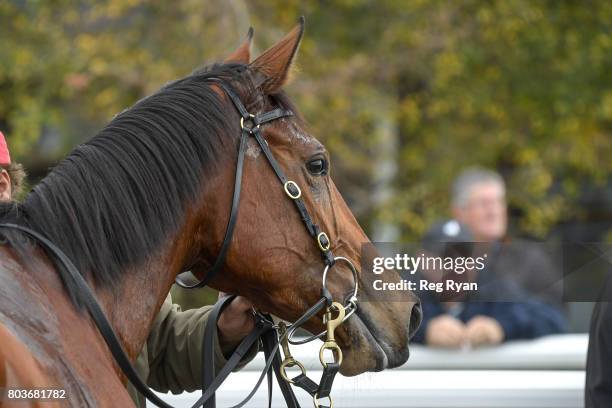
499,310
171,359
479,203
505,307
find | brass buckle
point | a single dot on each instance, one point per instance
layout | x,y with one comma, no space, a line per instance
288,363
322,247
292,183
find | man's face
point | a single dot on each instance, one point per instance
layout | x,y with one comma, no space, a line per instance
485,212
5,186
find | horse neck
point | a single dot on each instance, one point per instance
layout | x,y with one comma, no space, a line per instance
134,303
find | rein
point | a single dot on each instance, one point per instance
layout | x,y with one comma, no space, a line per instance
273,336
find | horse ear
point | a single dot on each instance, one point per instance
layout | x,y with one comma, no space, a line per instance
272,68
242,55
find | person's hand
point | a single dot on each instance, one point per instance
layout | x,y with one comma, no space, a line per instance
445,331
483,330
235,323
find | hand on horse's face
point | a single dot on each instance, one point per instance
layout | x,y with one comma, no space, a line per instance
235,323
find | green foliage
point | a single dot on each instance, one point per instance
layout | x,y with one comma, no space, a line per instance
66,67
419,88
523,87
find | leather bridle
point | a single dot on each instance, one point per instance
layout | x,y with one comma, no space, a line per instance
272,335
250,125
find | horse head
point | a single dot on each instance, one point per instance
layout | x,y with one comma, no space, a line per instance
273,260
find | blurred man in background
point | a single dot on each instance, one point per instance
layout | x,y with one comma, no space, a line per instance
479,203
514,300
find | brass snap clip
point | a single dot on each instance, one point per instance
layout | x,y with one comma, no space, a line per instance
289,361
330,341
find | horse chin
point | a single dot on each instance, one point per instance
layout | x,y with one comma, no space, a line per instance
365,352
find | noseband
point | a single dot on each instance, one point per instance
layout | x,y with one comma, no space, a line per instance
271,335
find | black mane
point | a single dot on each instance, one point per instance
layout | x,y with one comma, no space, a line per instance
115,198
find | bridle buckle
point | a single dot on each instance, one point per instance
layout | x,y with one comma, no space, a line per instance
323,242
249,123
292,189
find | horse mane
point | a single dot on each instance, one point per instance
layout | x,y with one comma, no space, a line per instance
116,197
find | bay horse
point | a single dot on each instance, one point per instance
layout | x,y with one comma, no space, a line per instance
148,198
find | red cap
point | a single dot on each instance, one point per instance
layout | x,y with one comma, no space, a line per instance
5,157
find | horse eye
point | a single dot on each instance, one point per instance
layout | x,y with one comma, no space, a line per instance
317,167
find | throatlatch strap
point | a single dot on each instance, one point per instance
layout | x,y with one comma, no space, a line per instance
231,223
244,135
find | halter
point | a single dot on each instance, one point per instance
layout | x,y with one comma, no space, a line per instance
272,335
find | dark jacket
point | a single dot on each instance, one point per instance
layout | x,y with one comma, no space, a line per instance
520,320
535,266
497,297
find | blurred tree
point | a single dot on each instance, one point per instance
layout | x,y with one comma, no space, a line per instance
404,93
523,87
68,66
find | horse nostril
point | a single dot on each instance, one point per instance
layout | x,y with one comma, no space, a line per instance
416,315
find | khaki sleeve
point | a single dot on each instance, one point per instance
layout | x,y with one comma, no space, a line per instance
175,349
